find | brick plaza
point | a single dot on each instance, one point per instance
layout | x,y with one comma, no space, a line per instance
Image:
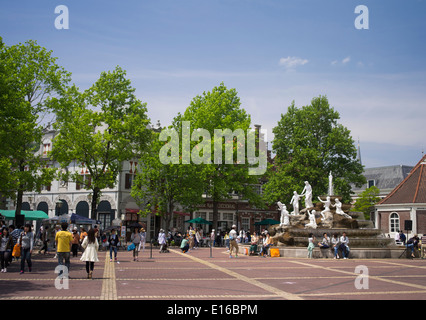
199,276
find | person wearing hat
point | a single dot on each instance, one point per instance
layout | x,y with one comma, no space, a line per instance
75,242
143,239
233,241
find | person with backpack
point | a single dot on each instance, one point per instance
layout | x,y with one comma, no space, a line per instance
233,241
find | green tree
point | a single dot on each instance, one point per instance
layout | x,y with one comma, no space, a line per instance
309,143
219,109
29,76
164,186
367,200
99,128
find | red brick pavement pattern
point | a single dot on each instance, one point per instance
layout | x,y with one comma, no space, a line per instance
196,275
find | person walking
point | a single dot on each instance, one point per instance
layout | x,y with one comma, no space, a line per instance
63,240
6,247
44,237
143,240
75,242
113,241
26,240
162,241
233,241
136,240
90,254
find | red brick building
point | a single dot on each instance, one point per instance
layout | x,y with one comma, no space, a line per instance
407,202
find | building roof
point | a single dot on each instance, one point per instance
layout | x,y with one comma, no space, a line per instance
385,178
412,189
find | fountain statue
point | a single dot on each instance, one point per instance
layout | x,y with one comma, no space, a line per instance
295,202
307,192
285,218
328,215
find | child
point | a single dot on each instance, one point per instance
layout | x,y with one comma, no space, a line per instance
311,245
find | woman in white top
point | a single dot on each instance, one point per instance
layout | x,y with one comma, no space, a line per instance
90,254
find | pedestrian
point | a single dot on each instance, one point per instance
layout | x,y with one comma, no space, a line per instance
63,240
162,241
75,242
45,239
226,238
197,238
311,245
233,241
6,247
90,254
83,234
113,241
402,237
135,238
26,240
143,239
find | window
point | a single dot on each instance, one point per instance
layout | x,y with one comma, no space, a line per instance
394,222
245,224
46,148
105,219
129,181
371,183
84,182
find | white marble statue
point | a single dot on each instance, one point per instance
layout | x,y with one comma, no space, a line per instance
285,217
339,210
295,202
327,204
307,192
312,222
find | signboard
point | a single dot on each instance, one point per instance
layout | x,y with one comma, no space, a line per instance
123,231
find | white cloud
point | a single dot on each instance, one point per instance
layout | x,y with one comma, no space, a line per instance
343,62
346,60
292,62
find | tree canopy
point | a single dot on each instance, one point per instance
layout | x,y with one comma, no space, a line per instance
309,142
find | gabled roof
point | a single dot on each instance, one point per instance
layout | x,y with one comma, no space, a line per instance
412,189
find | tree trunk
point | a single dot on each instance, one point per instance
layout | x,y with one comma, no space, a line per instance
93,213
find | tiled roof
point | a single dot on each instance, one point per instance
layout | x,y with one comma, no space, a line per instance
412,189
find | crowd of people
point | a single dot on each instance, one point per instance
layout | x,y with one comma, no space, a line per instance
19,243
339,245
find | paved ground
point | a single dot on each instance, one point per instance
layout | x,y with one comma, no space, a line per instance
197,276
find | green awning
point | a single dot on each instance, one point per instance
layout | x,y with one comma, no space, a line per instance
29,215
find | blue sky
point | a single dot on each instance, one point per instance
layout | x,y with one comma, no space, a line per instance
271,51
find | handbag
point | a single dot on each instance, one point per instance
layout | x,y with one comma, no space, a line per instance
275,252
16,250
131,247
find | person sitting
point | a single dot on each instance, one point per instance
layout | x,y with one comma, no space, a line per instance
253,244
344,245
266,244
325,243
